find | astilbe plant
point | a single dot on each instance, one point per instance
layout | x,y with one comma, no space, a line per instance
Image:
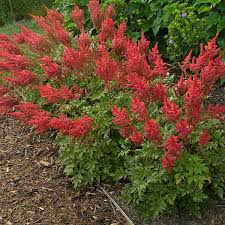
115,113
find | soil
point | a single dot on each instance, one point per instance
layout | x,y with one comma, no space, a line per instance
34,190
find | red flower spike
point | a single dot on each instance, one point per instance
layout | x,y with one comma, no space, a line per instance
140,86
193,100
107,30
75,59
183,129
216,111
83,40
173,146
168,163
78,17
106,68
143,45
60,34
152,130
22,78
136,62
110,11
139,108
171,111
181,87
53,15
119,40
97,15
136,137
3,90
50,68
41,121
81,127
204,138
159,92
13,62
6,104
121,119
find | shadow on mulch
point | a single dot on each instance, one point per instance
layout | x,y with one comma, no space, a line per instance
33,189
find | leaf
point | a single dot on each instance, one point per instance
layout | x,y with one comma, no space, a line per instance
221,25
204,8
213,19
213,2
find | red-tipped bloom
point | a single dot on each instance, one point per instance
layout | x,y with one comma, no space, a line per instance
152,131
83,40
107,30
3,90
22,78
193,100
140,86
136,137
121,119
78,17
6,104
139,108
97,15
183,129
50,68
171,111
119,40
216,111
181,87
159,92
204,138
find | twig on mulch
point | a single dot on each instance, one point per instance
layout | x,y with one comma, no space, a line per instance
116,205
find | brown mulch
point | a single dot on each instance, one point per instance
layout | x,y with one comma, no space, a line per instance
34,190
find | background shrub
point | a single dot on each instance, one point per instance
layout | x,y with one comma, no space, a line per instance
21,9
179,25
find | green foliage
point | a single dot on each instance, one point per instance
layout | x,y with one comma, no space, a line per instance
185,30
20,9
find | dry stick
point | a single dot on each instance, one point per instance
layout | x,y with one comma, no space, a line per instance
116,205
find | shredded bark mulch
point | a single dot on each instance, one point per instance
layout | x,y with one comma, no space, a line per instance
33,189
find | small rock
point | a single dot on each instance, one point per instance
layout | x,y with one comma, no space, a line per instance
8,223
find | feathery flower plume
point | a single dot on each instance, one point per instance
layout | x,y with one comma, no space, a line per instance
171,111
183,128
107,30
204,138
97,15
50,68
152,131
119,40
78,17
22,78
139,108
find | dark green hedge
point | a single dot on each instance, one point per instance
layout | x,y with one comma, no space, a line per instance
20,9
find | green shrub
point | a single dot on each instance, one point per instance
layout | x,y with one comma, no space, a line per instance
20,9
116,114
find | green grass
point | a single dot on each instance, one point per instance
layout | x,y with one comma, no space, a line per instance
11,28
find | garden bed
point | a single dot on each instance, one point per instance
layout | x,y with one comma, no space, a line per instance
35,191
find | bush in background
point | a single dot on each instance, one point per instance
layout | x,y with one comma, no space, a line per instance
20,9
180,26
116,114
